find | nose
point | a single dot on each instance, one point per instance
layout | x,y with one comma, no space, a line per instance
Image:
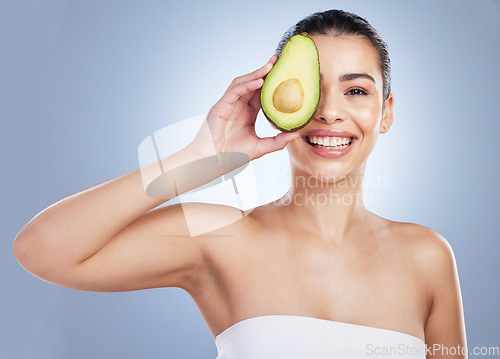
331,107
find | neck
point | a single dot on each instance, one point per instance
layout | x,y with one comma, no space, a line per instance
329,207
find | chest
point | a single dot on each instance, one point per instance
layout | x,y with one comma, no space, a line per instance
276,275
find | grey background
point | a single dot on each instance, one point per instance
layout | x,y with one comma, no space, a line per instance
82,83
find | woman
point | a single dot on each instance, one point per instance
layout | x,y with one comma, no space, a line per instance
299,277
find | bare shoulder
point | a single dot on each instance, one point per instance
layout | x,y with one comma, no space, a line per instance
433,261
430,251
425,241
215,226
208,217
192,219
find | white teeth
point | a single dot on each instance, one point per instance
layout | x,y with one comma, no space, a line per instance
342,142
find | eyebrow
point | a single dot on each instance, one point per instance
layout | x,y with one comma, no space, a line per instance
353,76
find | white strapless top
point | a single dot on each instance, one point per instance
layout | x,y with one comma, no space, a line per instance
294,337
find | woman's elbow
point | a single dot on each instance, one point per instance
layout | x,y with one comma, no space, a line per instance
27,251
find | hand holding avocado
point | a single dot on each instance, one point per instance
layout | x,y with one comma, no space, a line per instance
230,123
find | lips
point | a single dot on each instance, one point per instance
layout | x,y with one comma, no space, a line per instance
330,143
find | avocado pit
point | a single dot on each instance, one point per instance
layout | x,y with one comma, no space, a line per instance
288,96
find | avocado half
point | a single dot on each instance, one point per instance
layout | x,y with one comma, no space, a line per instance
290,94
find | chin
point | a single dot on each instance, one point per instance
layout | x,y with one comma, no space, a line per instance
331,174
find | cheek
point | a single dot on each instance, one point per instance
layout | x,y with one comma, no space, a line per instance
368,118
293,148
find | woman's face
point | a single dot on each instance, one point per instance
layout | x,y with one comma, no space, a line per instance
351,111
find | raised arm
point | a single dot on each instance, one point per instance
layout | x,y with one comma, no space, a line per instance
59,242
108,238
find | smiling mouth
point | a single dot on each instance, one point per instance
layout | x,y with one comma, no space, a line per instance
329,142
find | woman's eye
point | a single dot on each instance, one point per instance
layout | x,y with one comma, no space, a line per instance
357,92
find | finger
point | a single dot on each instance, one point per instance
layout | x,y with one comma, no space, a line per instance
264,70
254,102
259,73
248,96
273,59
245,89
276,143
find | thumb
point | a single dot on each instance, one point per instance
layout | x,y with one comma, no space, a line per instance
276,143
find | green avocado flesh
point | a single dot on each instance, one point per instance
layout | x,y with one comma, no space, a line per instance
290,94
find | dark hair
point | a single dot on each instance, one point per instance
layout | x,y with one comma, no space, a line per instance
337,23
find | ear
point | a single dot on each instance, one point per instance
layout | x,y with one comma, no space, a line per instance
387,114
